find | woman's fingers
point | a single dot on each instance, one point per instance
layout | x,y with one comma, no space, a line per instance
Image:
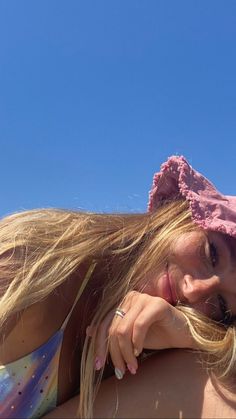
139,322
154,311
127,334
120,340
101,344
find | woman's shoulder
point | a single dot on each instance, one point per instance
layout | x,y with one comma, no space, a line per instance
170,384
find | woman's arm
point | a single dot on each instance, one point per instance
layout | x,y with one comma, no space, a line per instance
170,384
145,322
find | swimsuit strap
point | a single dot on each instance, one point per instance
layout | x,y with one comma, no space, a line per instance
81,290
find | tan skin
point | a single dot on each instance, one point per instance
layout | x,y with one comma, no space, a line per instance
200,272
41,321
180,388
44,319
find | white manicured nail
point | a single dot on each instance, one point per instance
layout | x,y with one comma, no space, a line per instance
119,374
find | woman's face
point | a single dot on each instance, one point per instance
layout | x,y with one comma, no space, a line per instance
201,273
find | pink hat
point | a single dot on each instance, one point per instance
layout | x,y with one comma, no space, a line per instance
210,209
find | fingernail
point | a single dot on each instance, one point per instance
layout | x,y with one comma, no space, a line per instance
119,374
136,352
131,369
98,364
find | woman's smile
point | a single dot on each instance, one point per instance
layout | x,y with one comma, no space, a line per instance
199,273
166,288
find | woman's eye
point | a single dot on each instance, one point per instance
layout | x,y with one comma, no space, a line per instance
213,253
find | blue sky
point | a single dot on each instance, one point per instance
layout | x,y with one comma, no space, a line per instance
95,95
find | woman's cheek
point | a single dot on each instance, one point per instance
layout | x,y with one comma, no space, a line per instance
150,287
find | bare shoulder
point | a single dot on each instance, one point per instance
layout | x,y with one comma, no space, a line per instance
171,384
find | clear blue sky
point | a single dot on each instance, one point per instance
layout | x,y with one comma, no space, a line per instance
95,95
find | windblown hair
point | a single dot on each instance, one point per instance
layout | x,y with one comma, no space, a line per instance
40,249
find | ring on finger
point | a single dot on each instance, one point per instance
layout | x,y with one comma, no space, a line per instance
120,313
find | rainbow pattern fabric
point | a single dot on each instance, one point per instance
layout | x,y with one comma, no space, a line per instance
28,386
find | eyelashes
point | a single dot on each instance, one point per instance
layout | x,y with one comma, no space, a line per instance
213,254
214,259
210,254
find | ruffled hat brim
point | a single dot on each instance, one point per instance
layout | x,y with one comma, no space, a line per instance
210,209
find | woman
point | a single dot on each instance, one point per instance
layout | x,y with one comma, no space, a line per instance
215,297
63,271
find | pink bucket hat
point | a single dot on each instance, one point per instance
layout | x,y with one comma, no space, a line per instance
210,209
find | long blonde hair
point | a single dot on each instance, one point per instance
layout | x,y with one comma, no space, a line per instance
40,249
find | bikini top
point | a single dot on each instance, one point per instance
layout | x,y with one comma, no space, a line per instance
29,385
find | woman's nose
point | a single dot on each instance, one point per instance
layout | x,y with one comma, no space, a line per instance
195,290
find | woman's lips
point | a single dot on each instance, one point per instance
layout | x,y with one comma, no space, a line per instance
167,289
173,289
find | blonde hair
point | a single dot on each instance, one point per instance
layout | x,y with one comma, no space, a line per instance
40,249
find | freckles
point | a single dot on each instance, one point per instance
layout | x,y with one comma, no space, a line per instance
182,249
150,285
149,288
188,245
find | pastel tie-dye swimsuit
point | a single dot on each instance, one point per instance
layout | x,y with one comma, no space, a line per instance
29,385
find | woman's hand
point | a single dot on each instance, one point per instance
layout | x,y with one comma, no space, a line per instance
149,322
